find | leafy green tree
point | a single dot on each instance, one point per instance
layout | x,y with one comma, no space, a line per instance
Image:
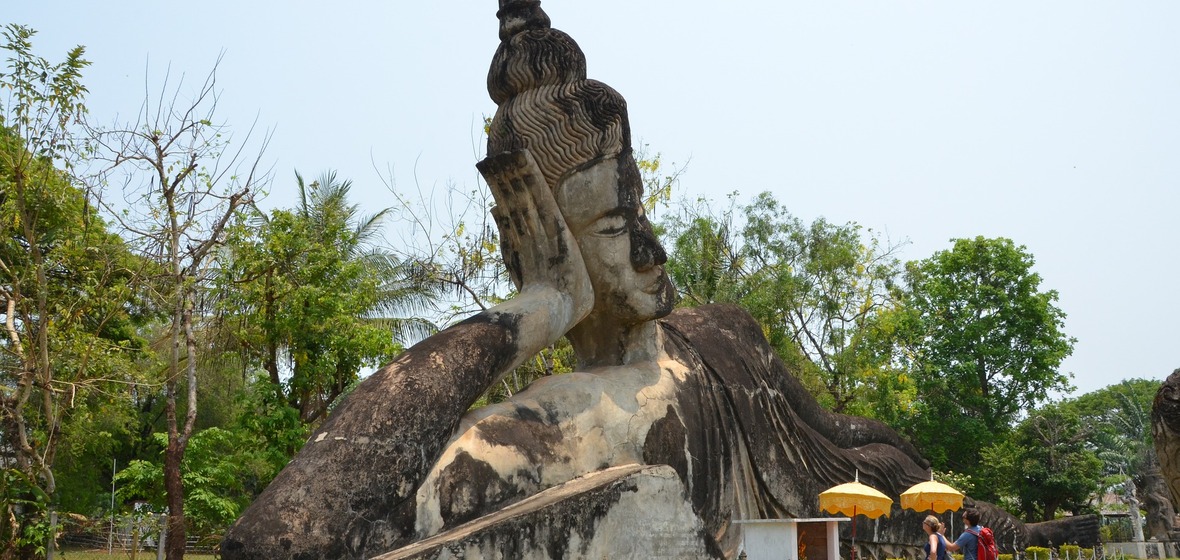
182,185
67,299
705,258
1046,466
308,295
819,290
824,285
275,427
984,343
1120,416
219,467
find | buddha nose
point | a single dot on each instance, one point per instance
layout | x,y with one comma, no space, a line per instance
646,251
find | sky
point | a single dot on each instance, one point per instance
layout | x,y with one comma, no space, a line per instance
1053,123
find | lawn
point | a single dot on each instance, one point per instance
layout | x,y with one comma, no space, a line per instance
120,555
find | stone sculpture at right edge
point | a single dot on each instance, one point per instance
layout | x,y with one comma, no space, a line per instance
1165,432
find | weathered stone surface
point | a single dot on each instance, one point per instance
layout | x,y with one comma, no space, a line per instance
794,448
1157,501
1080,529
700,391
631,511
1165,430
337,496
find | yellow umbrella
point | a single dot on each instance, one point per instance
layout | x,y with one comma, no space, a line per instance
852,499
938,496
935,496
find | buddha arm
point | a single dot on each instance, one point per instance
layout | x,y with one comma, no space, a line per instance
398,420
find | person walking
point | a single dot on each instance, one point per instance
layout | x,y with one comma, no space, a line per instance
936,545
968,542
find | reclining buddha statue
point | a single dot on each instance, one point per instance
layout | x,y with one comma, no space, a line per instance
699,390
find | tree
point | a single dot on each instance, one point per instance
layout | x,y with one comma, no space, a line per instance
1046,465
984,343
1120,416
307,295
818,290
219,466
705,259
69,311
182,186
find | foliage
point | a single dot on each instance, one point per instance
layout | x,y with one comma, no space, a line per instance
984,344
962,482
1037,553
218,465
18,489
182,186
659,181
1047,465
102,426
272,427
1120,416
1069,551
820,291
44,100
70,310
307,296
1115,532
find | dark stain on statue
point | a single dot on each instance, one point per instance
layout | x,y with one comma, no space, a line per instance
469,488
666,444
531,435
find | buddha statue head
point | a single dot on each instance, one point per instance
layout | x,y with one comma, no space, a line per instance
577,132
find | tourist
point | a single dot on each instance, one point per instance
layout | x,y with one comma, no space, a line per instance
968,542
936,545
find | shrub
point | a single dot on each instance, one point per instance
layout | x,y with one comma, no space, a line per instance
1036,553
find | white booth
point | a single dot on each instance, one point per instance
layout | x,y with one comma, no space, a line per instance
792,539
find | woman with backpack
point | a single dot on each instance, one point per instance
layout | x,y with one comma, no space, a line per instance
936,545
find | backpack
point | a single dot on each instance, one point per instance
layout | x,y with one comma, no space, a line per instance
985,548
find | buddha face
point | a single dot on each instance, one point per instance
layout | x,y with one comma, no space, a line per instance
602,206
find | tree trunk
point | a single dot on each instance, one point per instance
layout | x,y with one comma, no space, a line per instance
1050,512
174,487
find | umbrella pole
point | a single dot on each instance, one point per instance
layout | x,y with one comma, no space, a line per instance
852,551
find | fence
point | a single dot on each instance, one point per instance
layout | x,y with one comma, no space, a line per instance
1143,550
139,532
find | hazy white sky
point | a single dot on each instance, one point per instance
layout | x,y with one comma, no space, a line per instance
1053,123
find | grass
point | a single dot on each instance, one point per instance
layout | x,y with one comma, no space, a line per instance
120,555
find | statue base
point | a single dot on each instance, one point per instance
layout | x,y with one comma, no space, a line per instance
631,511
